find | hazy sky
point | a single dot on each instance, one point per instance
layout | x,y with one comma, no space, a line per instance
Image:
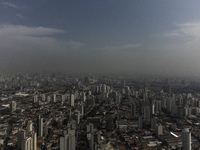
101,36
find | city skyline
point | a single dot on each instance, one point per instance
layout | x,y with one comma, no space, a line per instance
138,37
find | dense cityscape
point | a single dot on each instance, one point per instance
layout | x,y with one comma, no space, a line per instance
99,75
58,111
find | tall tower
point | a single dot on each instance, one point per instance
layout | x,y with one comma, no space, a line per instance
30,126
13,106
39,126
83,97
63,99
133,109
43,97
90,134
146,113
140,122
34,137
68,141
26,144
109,122
54,98
21,135
35,99
103,88
186,139
72,100
159,129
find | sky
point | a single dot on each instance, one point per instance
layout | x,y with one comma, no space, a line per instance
101,36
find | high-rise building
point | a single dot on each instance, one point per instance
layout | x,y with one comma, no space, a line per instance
54,98
62,99
90,135
103,88
90,127
21,135
118,99
13,106
26,144
68,141
72,100
186,139
76,94
140,122
35,99
154,121
109,122
81,108
83,97
158,106
146,113
30,126
89,93
46,128
76,116
169,105
114,94
39,126
43,97
48,98
163,102
152,109
27,140
159,129
133,109
34,139
174,107
119,116
136,94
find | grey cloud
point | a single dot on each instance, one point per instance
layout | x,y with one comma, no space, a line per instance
114,49
74,44
34,48
25,38
27,31
185,30
9,4
122,47
20,16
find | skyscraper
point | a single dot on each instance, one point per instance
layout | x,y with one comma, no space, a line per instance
43,97
109,122
21,135
63,99
90,134
13,106
133,109
26,144
35,99
39,126
186,139
68,141
54,98
146,113
72,100
30,126
34,140
140,122
159,129
83,97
